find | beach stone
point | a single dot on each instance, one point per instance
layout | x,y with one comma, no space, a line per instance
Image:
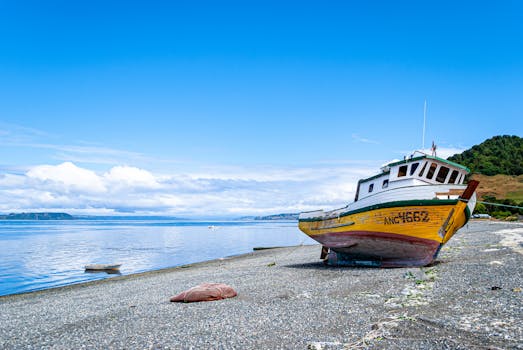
205,292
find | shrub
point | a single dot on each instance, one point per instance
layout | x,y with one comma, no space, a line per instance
500,214
480,209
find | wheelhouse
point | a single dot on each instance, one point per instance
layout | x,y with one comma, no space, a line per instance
422,170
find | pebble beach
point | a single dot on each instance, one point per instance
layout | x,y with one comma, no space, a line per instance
470,298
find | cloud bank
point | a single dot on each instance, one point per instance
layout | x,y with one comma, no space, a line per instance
219,191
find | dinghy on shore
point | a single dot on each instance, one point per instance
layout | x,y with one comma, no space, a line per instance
102,267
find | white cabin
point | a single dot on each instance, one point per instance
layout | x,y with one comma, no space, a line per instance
412,171
415,178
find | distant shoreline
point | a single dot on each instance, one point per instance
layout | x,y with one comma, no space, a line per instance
37,216
284,216
66,216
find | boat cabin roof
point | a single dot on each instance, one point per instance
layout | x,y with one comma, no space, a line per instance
386,168
426,156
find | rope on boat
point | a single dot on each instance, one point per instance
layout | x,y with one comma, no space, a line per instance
501,205
496,204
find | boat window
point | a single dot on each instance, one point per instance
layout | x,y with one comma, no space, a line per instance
413,168
422,169
453,176
385,184
460,179
371,187
442,174
402,170
432,170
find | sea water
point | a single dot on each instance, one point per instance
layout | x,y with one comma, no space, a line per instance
37,255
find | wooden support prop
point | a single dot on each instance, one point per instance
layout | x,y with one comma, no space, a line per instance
324,252
469,191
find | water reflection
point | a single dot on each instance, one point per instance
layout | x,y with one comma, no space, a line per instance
36,255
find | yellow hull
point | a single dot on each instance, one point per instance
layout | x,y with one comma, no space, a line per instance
420,221
397,233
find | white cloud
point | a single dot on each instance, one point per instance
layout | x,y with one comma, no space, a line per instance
22,137
445,152
68,177
15,133
358,138
216,191
11,181
75,187
131,177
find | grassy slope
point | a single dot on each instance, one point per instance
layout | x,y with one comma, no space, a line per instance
500,186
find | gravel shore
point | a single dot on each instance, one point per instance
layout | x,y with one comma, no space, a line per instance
471,298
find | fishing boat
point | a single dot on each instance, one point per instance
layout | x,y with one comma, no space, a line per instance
400,217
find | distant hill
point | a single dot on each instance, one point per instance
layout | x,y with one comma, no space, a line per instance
37,216
497,155
500,186
285,216
497,164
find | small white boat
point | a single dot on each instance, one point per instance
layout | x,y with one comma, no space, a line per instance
102,267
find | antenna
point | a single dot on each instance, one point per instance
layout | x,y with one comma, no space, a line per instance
424,122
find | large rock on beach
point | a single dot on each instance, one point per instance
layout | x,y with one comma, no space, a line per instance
205,292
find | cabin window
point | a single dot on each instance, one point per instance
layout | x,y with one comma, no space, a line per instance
413,168
371,187
442,174
422,169
385,184
402,171
453,176
432,170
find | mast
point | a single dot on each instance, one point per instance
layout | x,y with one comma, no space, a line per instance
424,122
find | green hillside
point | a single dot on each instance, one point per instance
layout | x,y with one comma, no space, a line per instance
497,155
497,164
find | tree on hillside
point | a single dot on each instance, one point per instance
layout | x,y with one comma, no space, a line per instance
497,155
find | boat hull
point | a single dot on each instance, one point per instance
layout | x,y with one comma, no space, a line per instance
367,248
393,234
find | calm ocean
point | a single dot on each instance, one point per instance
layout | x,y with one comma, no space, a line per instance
44,254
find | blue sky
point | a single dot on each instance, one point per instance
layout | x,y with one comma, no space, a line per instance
241,107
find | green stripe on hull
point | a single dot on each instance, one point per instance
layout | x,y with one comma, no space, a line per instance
467,214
